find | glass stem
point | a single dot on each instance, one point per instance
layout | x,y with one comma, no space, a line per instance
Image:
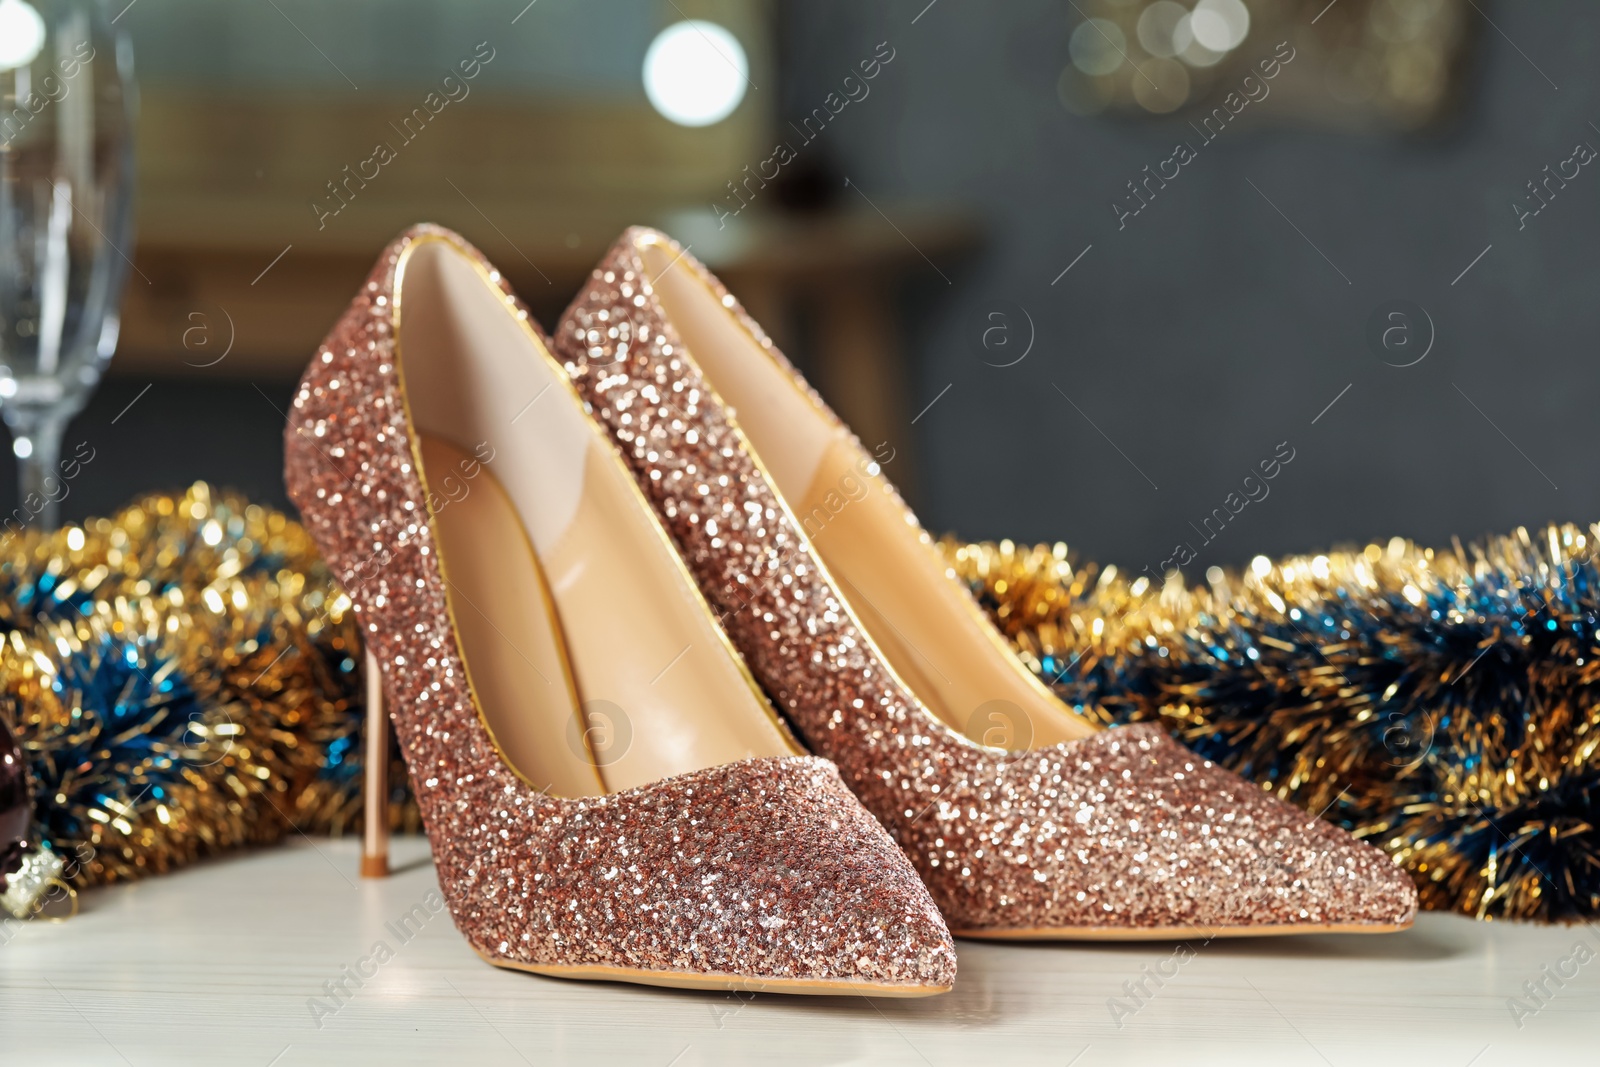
37,443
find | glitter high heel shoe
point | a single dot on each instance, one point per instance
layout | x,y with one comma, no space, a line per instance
1023,821
607,792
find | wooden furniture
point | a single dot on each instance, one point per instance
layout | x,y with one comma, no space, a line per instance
235,195
242,266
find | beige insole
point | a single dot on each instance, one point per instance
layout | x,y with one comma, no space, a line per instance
595,662
510,643
920,617
927,626
648,658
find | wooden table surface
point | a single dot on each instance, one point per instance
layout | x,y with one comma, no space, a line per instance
220,964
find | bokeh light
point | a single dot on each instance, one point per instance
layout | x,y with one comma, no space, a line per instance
1097,46
695,72
21,33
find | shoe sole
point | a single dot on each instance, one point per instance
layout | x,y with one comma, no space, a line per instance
719,981
1172,933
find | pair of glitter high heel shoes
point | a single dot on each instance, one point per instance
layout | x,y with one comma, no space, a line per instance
619,583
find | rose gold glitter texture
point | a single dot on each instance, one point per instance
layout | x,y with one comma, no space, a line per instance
761,874
1122,834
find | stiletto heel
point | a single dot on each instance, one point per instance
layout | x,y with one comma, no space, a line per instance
375,810
1023,820
608,793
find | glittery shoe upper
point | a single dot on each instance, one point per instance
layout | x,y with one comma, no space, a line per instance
1125,830
760,870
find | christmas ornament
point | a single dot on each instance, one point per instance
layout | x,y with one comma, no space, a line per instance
16,808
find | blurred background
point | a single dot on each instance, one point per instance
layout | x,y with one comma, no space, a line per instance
1091,267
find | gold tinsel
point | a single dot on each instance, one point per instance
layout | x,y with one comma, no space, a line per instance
183,679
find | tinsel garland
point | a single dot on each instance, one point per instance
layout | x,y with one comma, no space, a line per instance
183,678
1440,704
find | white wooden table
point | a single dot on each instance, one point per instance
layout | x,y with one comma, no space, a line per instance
220,965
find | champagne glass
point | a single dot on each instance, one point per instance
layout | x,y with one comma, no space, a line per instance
67,102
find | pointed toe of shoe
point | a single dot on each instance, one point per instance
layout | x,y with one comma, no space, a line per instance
1267,864
1129,834
895,939
890,946
1306,871
856,914
762,875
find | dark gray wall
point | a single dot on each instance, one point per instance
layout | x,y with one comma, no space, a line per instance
1208,330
